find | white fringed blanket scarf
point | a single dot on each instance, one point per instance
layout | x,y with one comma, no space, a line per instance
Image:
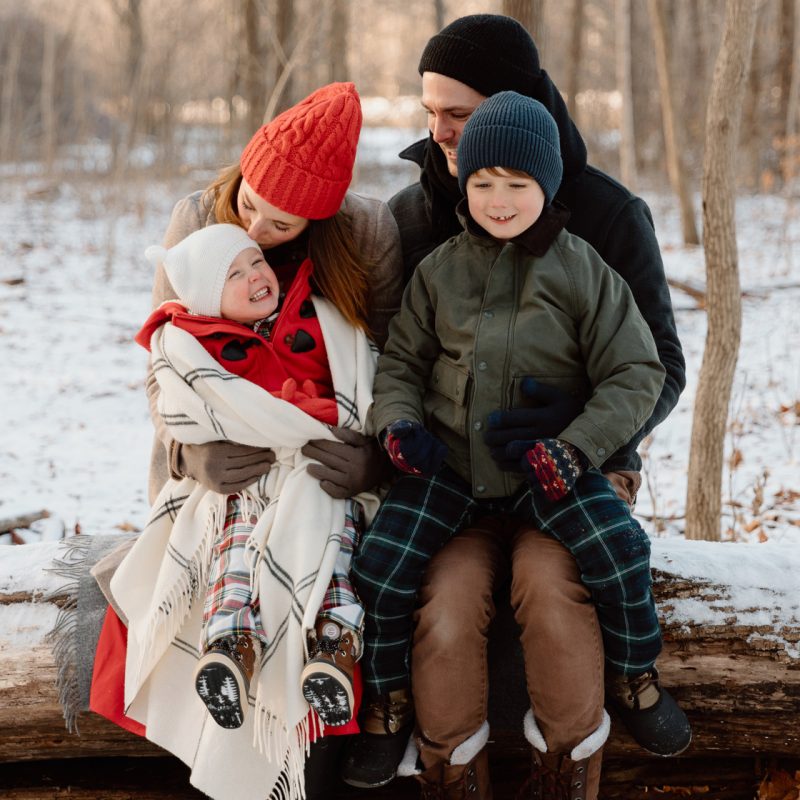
293,547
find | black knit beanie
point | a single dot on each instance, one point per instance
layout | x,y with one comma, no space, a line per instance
512,131
489,52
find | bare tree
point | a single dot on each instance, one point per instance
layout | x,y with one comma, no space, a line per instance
531,14
438,14
627,141
284,42
793,104
575,57
672,135
254,73
47,97
723,292
130,18
340,24
8,98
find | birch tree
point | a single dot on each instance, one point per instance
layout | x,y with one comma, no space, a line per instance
627,141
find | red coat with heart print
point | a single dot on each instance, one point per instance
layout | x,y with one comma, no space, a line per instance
292,365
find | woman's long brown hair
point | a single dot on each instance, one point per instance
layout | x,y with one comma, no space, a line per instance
340,272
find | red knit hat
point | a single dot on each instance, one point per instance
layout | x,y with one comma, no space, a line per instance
302,161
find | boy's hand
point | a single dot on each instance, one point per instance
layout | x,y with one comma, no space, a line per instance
512,433
552,467
413,449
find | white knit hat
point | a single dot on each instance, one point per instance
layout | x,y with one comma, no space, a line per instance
198,265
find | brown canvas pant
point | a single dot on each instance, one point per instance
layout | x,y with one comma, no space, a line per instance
560,638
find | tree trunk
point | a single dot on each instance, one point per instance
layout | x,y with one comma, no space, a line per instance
627,140
730,656
340,24
791,155
531,14
576,53
282,96
47,99
438,14
8,99
672,138
704,488
254,82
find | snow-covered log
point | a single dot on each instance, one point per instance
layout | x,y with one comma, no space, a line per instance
731,619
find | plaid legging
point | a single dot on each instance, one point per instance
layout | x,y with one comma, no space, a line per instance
229,609
421,514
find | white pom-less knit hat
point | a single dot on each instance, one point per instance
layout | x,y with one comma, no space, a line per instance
198,265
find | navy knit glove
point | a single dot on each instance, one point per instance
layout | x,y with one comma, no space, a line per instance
413,449
552,467
510,434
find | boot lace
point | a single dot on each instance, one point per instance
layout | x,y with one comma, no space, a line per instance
545,784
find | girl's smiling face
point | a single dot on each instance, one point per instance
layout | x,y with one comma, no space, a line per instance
251,288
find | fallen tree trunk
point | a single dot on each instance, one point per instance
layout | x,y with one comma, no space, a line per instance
731,621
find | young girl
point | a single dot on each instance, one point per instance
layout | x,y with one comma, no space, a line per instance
229,299
294,172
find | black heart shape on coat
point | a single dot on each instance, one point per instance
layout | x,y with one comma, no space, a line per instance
307,310
303,342
236,350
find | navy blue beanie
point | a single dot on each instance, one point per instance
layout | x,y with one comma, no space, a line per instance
515,132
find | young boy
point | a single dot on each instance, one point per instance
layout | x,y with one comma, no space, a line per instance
512,300
231,302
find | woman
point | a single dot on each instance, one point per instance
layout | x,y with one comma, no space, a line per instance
288,193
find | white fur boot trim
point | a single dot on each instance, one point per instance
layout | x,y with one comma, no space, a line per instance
594,741
463,754
590,745
469,748
408,765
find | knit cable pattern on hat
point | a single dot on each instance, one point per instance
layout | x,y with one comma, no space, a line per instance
302,161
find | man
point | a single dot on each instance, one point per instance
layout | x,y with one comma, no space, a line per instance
469,60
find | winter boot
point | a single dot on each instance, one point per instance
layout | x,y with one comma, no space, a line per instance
372,756
322,766
649,712
555,776
564,776
327,678
457,781
222,679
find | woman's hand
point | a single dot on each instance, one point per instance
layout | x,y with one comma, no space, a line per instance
223,467
347,467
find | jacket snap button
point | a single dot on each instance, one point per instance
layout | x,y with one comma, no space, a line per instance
601,451
480,488
482,366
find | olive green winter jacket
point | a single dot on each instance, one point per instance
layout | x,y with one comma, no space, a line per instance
479,315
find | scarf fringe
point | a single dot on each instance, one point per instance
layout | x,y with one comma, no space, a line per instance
272,739
171,613
63,637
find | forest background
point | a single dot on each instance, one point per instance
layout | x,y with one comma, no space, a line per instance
111,110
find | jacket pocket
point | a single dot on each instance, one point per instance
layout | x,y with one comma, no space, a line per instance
446,398
576,385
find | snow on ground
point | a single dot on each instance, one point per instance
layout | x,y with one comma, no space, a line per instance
74,287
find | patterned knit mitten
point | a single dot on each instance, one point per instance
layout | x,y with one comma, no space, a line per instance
413,449
552,467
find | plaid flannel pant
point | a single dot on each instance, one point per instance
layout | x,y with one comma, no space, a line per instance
229,609
421,514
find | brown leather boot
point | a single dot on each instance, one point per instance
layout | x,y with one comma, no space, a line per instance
327,678
222,679
457,781
372,756
555,776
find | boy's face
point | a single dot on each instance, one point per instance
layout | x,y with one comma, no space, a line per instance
504,205
251,288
